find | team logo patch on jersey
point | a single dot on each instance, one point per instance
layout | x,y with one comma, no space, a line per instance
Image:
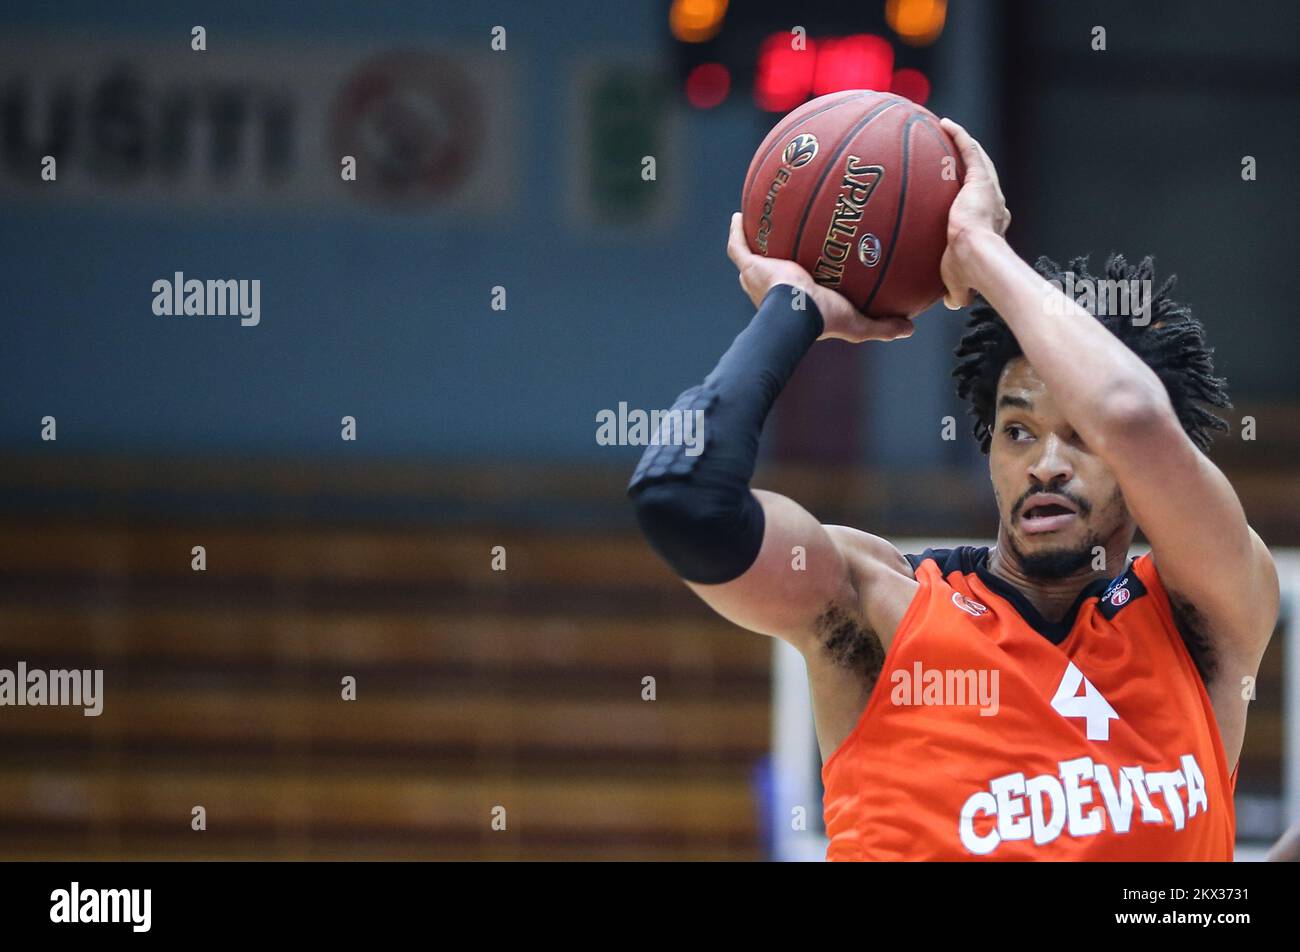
1119,593
969,605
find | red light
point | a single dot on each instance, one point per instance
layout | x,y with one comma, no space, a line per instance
707,85
854,62
784,77
913,84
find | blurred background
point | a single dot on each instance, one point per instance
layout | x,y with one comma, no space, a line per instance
505,166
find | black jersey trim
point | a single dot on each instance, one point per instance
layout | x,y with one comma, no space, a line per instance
970,559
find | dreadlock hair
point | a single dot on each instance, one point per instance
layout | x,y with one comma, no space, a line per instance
1172,344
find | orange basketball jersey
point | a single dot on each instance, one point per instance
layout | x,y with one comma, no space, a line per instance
995,734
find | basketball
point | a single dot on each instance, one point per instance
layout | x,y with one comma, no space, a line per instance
856,187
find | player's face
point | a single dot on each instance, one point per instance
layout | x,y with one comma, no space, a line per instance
1056,499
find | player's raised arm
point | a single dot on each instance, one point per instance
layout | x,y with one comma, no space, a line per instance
735,547
1207,555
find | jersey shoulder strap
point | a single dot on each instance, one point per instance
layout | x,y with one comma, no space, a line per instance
964,559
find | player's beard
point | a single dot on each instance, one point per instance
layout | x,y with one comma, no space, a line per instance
1055,563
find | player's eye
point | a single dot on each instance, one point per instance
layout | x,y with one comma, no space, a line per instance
1015,431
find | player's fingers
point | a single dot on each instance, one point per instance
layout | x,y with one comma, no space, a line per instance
992,170
989,167
966,145
898,328
977,161
887,328
956,294
954,129
737,249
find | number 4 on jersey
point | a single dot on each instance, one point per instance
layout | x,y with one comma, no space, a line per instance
1090,705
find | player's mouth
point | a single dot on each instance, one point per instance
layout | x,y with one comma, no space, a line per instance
1047,512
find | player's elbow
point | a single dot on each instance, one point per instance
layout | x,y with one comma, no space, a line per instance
1137,410
705,537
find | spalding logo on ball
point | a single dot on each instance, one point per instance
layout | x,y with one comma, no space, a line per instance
859,196
869,250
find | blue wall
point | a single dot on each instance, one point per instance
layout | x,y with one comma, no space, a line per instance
382,316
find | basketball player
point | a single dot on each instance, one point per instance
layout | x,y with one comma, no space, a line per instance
1119,686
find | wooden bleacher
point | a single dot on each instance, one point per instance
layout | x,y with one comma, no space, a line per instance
476,689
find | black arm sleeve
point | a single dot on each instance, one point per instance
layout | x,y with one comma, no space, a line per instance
696,510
